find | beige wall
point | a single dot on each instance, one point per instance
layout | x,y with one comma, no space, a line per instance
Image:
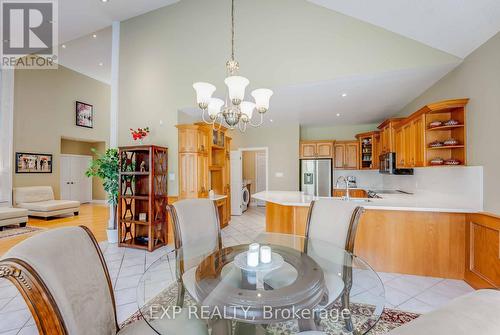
248,158
71,147
477,78
340,133
249,171
44,111
283,146
279,42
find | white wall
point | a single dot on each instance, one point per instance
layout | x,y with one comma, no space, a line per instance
283,144
6,134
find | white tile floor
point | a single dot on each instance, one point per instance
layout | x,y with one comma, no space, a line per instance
404,292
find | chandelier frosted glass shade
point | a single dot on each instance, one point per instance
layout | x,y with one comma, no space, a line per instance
204,93
262,97
247,109
214,107
236,86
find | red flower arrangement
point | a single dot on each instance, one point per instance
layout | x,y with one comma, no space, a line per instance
139,133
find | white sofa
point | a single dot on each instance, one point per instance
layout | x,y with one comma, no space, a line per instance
11,216
39,201
476,313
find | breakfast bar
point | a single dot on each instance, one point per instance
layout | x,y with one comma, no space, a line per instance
425,234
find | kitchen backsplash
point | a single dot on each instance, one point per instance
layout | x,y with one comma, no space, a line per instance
447,180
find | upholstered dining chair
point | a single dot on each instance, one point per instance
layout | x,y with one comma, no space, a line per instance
335,222
63,277
196,234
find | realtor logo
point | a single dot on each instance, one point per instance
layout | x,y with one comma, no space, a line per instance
29,34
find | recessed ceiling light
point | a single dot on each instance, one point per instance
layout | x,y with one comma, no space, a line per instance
94,35
338,114
344,95
101,64
271,120
63,46
104,0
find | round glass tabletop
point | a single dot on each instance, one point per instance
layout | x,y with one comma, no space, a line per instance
317,287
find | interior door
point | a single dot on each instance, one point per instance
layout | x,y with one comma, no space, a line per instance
74,184
236,182
65,165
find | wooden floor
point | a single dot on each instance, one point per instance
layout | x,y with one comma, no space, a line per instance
95,217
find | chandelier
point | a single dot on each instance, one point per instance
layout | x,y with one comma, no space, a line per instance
234,112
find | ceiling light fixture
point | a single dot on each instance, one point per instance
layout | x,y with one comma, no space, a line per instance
101,64
344,95
234,112
63,46
94,35
338,114
104,1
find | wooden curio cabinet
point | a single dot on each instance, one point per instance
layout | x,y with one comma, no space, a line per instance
142,197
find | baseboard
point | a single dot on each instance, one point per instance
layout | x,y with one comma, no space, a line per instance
102,202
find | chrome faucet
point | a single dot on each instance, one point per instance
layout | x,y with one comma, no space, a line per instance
347,195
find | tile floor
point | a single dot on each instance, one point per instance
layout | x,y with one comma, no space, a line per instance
126,266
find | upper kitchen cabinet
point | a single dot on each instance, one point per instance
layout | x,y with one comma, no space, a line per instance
387,135
369,145
346,155
316,149
435,135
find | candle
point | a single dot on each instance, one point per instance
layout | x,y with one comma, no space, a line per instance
265,254
253,257
253,247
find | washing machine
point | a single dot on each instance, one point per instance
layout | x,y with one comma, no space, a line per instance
245,198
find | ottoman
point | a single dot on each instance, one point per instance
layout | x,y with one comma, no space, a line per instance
10,216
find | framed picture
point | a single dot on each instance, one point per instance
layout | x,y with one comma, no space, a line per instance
84,115
33,163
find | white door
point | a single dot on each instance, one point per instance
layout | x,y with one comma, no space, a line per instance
260,174
74,184
236,182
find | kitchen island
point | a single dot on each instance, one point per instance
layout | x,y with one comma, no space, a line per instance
427,234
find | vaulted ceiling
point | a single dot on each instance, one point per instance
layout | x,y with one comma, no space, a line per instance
429,38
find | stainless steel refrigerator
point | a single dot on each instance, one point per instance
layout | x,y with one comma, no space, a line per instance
316,177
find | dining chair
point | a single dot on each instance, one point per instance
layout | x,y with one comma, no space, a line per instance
196,234
335,222
63,278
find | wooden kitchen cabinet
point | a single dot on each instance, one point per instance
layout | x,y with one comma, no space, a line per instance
346,155
369,144
316,149
387,135
353,193
204,165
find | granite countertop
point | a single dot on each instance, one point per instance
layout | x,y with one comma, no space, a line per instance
423,202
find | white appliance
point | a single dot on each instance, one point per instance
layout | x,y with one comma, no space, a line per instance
245,198
236,182
74,184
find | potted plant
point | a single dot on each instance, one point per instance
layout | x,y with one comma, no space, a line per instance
106,167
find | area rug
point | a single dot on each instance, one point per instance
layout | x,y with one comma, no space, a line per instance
14,230
389,320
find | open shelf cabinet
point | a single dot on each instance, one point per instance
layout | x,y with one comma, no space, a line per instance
143,192
445,111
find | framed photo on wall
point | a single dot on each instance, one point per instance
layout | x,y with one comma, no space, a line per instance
33,163
84,115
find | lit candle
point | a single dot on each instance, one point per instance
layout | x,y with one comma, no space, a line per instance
265,254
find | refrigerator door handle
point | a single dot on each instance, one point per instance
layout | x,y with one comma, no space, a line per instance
316,192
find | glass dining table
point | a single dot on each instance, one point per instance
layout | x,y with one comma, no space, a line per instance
309,285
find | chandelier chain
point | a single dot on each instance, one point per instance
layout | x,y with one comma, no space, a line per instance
232,30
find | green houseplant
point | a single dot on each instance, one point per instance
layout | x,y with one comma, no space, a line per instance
106,167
